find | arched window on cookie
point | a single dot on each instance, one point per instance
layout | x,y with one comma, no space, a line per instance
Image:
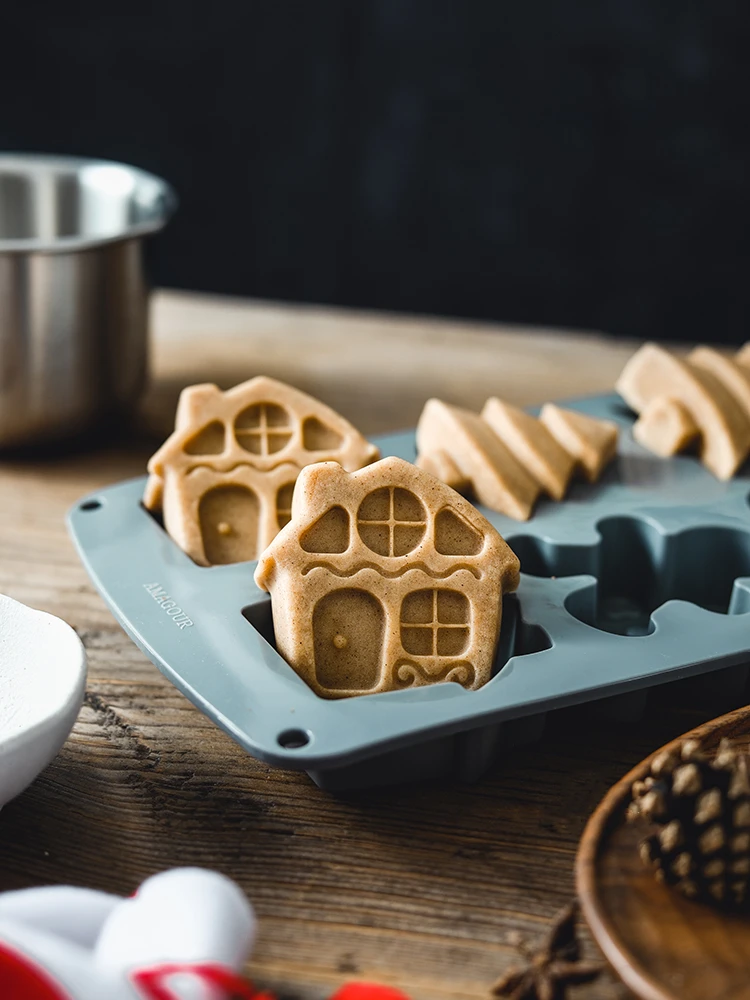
263,428
391,521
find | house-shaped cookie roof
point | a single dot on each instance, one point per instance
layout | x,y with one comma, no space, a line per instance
390,516
261,422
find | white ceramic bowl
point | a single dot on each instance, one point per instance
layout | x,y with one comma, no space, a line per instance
42,680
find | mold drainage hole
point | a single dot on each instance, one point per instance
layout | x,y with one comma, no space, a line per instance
293,739
638,569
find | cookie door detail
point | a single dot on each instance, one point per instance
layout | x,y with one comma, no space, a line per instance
229,519
349,638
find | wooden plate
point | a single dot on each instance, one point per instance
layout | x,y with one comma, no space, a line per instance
662,946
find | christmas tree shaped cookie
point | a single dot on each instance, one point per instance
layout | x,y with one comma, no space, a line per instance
591,443
724,427
497,478
732,376
506,457
665,427
532,444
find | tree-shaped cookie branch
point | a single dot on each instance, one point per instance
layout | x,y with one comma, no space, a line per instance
506,458
704,397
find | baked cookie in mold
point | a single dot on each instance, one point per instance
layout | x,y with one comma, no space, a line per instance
385,579
733,376
665,427
440,465
532,444
590,442
496,477
506,457
223,480
701,386
585,618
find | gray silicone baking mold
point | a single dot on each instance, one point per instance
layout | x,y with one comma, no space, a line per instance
639,579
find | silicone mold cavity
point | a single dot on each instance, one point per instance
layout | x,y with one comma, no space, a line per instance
638,567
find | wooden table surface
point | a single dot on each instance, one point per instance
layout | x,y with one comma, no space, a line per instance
414,886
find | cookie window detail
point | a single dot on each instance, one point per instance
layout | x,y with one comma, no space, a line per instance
391,521
208,441
454,536
435,623
317,436
263,429
330,533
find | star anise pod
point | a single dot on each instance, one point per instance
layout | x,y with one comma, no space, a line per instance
552,968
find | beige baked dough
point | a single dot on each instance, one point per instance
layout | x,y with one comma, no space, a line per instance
224,479
665,427
742,357
653,372
385,579
732,375
590,442
497,479
442,466
532,444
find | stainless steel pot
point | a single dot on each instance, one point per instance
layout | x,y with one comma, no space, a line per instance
73,294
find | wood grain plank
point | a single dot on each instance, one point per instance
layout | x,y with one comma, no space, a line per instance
416,886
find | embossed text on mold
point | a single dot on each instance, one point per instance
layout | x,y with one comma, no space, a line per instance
168,605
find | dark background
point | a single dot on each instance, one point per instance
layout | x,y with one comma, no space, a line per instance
558,162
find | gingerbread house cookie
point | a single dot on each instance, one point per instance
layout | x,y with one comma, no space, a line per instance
224,479
385,579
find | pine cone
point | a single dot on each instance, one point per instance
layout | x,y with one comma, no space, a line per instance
702,808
